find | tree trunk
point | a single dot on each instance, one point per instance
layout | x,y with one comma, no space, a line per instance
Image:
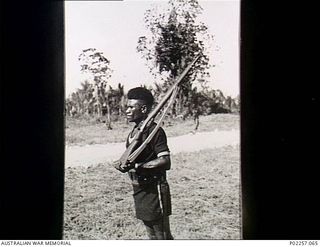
108,122
180,103
122,106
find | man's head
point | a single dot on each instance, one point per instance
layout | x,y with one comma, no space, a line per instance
140,101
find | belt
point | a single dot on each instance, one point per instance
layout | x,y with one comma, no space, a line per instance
142,179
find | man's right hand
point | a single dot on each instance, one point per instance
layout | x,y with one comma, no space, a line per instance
122,168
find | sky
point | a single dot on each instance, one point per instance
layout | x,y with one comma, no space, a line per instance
113,27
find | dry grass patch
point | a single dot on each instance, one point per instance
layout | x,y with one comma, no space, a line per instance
205,197
86,131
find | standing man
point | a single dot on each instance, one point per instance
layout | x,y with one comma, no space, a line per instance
151,191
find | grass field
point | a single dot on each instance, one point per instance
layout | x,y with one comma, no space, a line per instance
205,186
89,131
205,199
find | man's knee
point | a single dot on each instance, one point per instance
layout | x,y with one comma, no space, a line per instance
159,229
150,231
152,236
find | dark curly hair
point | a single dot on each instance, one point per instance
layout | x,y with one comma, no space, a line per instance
141,93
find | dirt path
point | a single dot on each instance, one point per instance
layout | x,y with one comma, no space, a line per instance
100,153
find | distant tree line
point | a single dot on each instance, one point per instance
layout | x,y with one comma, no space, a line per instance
92,101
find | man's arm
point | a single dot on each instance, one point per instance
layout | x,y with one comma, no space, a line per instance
162,161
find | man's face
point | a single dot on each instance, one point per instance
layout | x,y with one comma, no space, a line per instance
136,110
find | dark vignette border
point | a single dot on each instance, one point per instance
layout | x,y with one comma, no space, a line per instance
32,123
279,184
278,122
